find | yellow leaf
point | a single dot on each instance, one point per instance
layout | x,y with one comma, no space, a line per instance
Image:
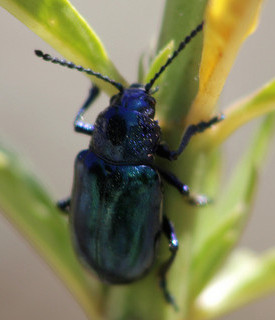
227,24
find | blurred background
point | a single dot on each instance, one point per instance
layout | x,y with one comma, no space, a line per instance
38,102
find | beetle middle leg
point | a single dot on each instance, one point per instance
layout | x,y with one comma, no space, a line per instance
169,232
164,150
79,124
192,198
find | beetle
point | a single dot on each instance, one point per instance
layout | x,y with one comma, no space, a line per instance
115,208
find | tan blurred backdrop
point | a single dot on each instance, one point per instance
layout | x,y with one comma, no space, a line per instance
38,102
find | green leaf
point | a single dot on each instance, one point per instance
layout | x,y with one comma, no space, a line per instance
219,228
245,179
59,24
179,86
180,80
158,62
244,278
30,209
213,248
257,104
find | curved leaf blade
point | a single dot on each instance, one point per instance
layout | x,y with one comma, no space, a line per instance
257,104
29,208
218,229
158,62
59,24
245,278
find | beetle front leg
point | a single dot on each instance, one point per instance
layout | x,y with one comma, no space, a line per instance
169,232
64,205
163,149
79,124
192,198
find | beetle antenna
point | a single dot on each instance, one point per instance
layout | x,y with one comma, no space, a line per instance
71,65
181,46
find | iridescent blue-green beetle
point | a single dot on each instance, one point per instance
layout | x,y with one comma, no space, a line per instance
115,207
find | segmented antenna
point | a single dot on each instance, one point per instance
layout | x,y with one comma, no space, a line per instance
71,65
181,46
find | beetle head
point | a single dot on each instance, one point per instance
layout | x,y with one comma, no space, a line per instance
135,99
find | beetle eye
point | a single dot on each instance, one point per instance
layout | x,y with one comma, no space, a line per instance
151,101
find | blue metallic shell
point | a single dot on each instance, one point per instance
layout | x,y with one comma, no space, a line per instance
116,214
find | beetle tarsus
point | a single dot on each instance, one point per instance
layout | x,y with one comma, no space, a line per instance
199,200
64,205
79,124
191,198
167,295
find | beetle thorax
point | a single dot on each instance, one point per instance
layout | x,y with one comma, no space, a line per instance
126,130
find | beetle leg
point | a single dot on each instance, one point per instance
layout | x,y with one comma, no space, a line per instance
169,231
79,124
64,205
193,199
163,149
